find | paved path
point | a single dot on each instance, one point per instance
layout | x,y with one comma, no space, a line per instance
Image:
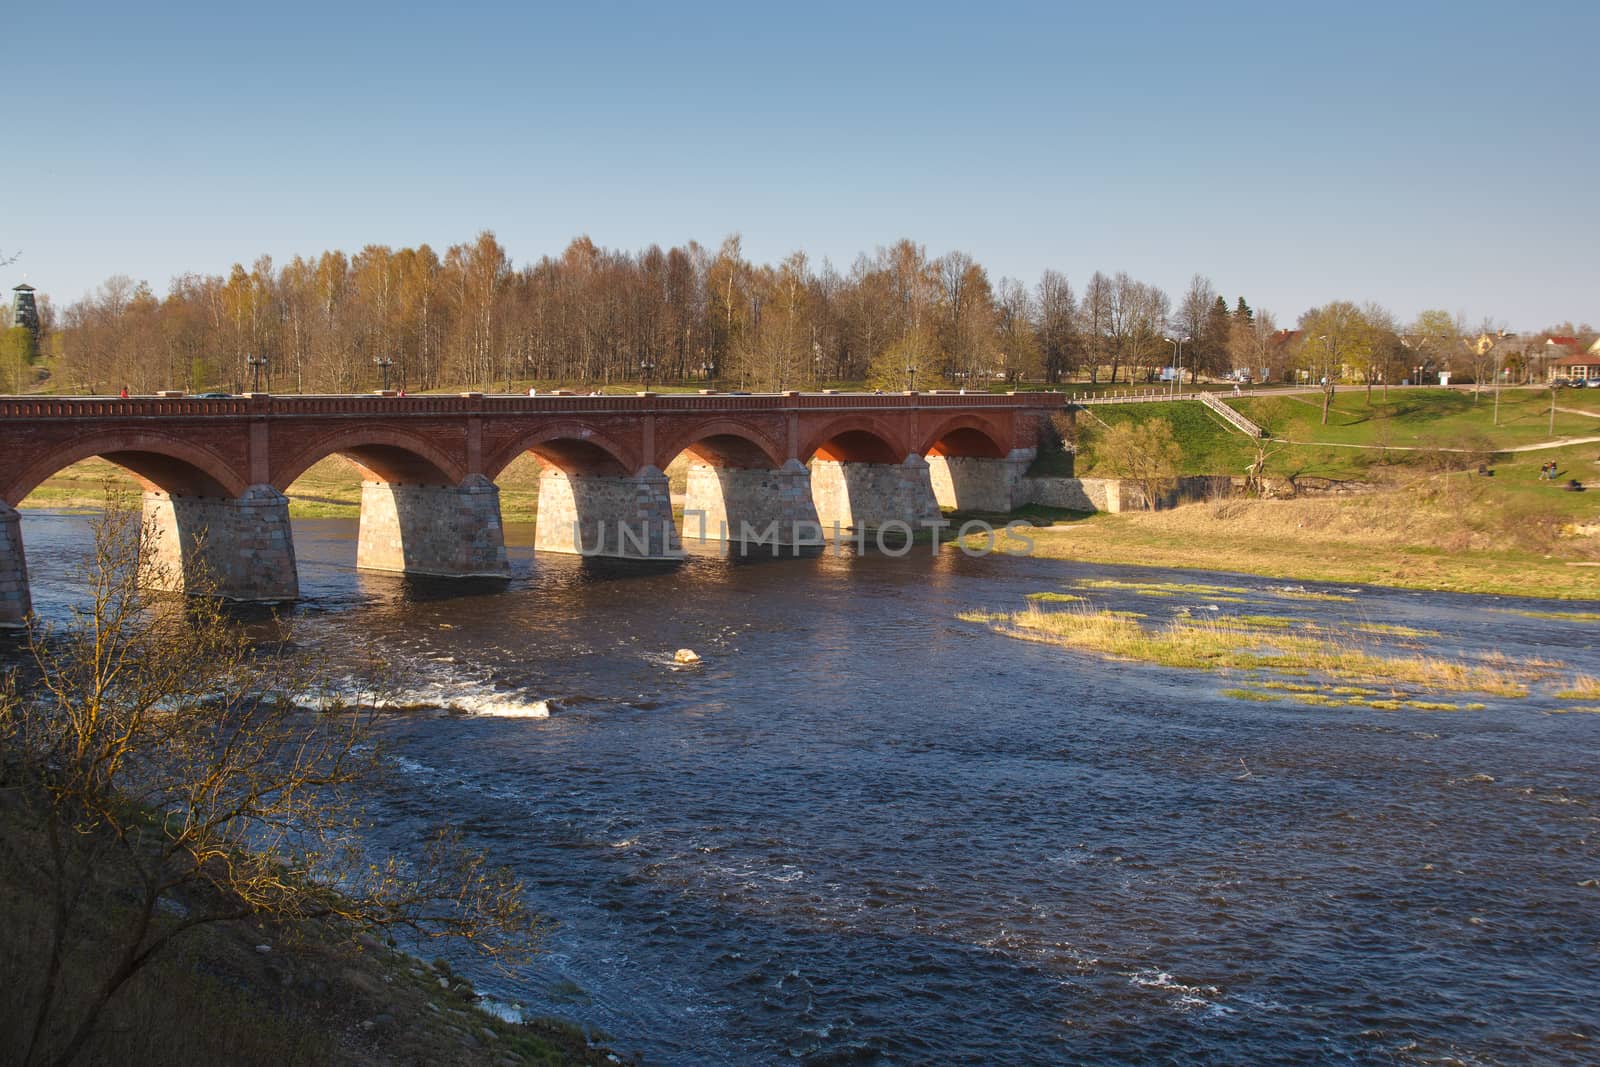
1558,443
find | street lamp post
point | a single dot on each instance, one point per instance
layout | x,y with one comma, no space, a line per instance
911,377
256,363
1176,388
1498,373
648,368
384,363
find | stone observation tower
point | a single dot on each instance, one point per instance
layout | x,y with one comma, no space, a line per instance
25,309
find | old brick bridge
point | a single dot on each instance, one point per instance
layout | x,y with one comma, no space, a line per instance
786,468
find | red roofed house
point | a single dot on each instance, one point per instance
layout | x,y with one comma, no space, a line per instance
1568,359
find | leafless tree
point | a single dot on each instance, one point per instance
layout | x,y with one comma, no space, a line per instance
168,760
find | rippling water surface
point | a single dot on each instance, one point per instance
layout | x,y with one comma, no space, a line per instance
863,831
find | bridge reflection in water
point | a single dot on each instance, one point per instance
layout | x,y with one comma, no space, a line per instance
785,468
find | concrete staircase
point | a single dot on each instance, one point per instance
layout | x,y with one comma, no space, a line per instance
1232,417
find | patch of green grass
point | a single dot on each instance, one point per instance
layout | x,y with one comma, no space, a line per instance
1266,622
1251,694
1588,709
1155,588
1568,616
1056,598
1583,687
1208,645
1286,592
1390,630
1319,700
1292,687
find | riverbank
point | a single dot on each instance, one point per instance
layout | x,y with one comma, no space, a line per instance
1449,533
249,993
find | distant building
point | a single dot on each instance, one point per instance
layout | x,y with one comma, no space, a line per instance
25,309
1568,359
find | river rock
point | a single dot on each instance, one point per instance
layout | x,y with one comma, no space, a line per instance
686,655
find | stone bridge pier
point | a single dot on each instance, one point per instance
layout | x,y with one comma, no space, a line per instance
625,516
980,483
973,471
240,548
742,492
751,505
451,531
15,602
859,481
869,496
591,504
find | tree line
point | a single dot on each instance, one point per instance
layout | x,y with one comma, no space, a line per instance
896,319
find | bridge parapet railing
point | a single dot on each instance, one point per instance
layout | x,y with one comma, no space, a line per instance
35,407
78,407
1153,396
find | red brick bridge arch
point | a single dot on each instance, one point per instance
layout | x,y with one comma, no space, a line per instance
430,505
381,453
159,461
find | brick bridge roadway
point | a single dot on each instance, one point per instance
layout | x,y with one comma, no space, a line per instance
787,469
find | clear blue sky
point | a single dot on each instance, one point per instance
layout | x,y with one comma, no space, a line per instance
1420,155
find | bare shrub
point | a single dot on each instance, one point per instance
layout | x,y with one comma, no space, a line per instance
197,777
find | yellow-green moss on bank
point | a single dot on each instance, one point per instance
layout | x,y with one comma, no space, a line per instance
1225,644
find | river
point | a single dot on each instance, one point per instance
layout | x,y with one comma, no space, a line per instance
864,831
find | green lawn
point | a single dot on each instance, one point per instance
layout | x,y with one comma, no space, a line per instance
1412,430
1423,417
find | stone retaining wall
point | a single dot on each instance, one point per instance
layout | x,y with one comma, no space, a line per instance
1120,494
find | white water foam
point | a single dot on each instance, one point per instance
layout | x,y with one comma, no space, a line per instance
435,688
501,706
1186,997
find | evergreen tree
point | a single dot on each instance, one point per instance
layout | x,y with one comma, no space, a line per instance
1211,351
1243,313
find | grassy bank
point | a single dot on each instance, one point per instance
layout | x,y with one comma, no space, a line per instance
1380,439
1275,658
1429,525
1511,534
244,994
